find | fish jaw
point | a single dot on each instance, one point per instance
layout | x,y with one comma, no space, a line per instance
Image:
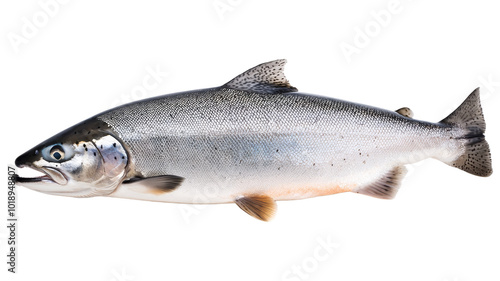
55,182
52,182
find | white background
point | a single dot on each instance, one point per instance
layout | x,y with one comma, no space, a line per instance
89,56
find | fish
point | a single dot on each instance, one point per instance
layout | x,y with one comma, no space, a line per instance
252,141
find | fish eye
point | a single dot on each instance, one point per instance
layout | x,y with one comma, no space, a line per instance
58,152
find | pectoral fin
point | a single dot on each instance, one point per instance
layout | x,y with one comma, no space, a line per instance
156,185
261,207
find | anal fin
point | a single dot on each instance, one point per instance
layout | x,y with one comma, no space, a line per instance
261,207
156,185
386,186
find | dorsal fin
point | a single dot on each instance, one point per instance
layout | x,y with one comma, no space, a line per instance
266,78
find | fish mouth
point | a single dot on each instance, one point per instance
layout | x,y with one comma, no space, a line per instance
50,175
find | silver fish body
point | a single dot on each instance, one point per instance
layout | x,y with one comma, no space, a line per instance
287,146
256,140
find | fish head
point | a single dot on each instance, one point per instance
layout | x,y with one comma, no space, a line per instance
83,161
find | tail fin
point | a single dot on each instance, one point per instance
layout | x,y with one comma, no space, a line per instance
469,116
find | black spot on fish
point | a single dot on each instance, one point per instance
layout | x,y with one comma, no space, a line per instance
95,154
114,144
101,146
123,157
115,157
277,150
84,145
88,133
86,149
